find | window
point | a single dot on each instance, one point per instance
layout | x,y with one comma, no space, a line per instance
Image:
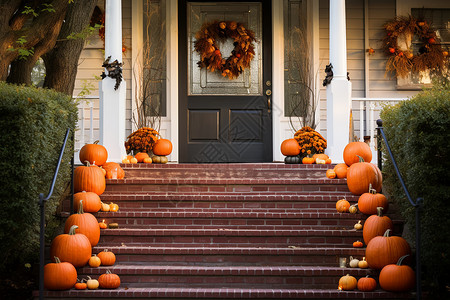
153,89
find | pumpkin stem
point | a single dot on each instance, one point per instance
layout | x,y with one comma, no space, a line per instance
400,260
386,233
361,160
72,230
57,260
96,142
80,208
380,211
372,190
88,164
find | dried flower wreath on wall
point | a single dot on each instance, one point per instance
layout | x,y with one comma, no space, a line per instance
206,45
397,46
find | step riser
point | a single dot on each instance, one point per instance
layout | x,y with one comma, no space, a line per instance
225,188
226,241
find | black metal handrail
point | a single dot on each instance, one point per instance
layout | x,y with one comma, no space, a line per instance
417,204
42,201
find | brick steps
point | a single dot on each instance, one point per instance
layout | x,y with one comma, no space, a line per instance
221,293
220,231
222,256
286,277
236,237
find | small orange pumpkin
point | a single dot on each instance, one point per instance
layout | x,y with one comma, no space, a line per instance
341,170
342,205
290,147
94,261
357,244
141,156
148,160
113,207
112,168
107,257
320,156
81,285
330,174
109,280
308,160
347,282
367,284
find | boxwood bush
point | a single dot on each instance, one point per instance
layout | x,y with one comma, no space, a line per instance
418,132
33,123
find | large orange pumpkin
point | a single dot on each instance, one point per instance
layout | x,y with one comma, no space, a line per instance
94,154
59,275
74,248
368,203
91,201
385,250
162,147
341,170
290,147
87,225
89,178
376,225
355,149
362,174
111,167
397,278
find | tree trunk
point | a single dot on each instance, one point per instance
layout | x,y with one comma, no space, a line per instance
61,62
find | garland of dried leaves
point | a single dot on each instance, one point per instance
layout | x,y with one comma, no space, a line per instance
206,45
401,62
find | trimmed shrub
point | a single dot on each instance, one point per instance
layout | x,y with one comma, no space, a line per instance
33,123
418,132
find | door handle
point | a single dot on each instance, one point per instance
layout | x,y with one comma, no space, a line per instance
269,105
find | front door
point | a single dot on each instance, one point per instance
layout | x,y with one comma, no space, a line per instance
225,118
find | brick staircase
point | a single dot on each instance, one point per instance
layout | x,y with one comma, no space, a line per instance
219,231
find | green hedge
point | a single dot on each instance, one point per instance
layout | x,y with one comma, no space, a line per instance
33,123
418,132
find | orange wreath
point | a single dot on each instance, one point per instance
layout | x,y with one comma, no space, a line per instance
210,55
401,61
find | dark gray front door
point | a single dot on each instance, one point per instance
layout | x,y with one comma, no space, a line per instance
221,119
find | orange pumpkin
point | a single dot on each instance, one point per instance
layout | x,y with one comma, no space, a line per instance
162,147
74,248
367,284
385,250
342,205
89,178
360,175
82,285
355,149
94,154
87,225
341,170
376,225
140,156
330,174
112,167
358,244
59,275
397,278
113,207
148,160
347,282
308,160
94,261
109,280
290,147
107,257
91,201
368,203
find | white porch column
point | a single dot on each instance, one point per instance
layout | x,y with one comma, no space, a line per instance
339,90
112,102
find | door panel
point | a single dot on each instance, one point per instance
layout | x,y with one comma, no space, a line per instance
223,120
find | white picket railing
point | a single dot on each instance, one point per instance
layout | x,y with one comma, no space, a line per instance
86,133
368,110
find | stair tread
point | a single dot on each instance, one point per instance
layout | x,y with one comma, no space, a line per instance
232,232
229,181
195,293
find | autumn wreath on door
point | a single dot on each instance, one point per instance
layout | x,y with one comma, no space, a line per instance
211,58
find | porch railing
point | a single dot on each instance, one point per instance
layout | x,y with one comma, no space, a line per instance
87,130
42,201
367,111
416,204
